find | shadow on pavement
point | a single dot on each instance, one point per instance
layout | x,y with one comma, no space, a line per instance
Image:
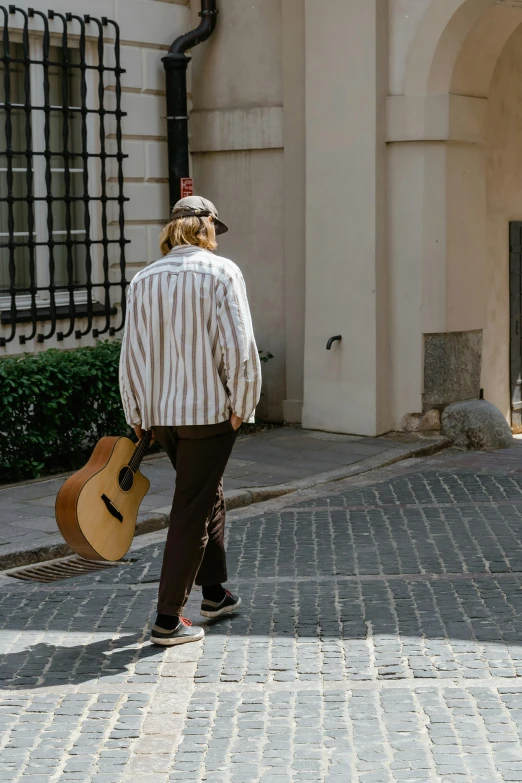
418,576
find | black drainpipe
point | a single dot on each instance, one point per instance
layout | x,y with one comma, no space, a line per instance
176,64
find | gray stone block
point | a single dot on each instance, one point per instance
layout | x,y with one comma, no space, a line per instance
476,425
452,367
422,422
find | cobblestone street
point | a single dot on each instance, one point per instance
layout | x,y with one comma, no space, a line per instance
380,640
260,462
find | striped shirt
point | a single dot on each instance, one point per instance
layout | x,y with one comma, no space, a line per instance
188,355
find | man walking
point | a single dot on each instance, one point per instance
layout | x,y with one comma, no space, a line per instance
190,370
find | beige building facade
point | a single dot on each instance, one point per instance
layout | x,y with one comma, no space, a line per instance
367,157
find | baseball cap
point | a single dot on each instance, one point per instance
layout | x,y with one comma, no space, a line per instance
196,206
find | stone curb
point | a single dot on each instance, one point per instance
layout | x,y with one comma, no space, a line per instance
158,519
246,497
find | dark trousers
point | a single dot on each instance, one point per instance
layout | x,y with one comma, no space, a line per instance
195,547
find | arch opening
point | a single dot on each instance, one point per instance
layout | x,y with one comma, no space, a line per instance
464,188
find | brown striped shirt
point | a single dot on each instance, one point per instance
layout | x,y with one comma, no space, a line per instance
188,355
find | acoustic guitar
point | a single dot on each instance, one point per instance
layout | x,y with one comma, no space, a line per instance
96,509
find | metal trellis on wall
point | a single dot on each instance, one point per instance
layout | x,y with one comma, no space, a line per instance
62,240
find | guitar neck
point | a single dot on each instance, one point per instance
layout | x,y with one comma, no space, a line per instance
140,451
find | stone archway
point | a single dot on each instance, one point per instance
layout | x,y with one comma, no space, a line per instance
447,157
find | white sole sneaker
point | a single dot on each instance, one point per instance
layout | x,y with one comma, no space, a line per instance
213,613
163,638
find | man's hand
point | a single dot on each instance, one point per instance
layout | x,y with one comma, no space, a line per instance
140,432
236,421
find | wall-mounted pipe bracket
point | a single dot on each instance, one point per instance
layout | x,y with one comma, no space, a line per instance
333,340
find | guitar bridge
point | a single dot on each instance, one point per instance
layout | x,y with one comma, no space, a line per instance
111,508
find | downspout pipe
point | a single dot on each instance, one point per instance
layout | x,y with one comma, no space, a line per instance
176,65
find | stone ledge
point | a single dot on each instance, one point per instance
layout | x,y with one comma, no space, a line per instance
457,118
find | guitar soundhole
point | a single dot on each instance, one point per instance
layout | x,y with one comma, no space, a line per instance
126,479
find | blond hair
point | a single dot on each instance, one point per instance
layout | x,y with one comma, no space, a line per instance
199,231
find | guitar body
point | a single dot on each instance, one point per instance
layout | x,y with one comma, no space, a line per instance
96,510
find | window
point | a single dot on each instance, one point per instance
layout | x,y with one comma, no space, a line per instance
18,172
62,245
22,277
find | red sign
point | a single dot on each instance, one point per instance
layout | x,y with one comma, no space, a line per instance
187,187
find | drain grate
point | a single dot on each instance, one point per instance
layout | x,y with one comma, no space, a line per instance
54,570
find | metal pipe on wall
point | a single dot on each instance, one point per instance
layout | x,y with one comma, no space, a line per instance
176,64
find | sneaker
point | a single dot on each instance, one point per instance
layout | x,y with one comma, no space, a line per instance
229,604
185,632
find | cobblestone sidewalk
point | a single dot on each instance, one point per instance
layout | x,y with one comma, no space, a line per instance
380,640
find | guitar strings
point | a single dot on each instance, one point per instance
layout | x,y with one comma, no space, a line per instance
126,484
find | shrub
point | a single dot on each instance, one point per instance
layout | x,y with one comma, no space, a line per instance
54,408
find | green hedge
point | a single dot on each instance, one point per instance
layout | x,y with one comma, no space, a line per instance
55,406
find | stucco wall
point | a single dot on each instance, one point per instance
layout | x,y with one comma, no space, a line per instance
406,17
454,183
346,271
248,187
238,161
504,203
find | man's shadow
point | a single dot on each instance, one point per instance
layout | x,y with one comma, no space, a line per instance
43,665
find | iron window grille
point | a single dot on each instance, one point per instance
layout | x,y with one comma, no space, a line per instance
62,240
